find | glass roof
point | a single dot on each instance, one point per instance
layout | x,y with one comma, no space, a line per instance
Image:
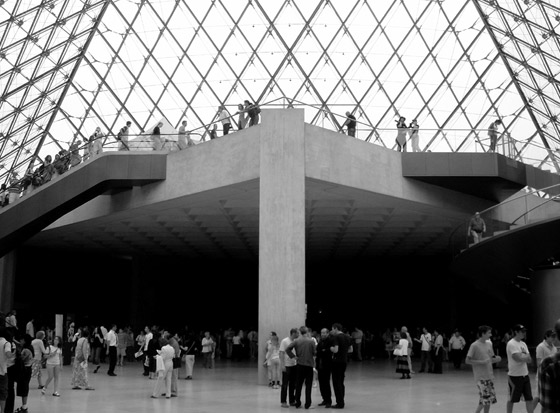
68,66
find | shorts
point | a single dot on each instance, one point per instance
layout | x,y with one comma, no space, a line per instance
487,392
121,351
4,387
518,386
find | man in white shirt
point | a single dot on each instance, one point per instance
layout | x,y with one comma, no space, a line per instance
147,338
112,349
288,369
519,383
225,118
545,349
481,357
456,345
425,347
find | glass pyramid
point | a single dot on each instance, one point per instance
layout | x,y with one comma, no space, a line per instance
68,66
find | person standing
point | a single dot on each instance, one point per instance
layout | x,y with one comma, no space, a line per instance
147,338
481,357
357,338
29,328
324,367
425,341
272,361
190,348
437,353
339,349
350,124
79,370
242,119
38,352
305,362
225,118
122,137
456,345
545,349
414,138
493,134
156,137
5,355
402,132
182,136
549,380
174,342
96,143
402,356
54,365
477,227
288,368
207,349
408,352
166,353
519,383
122,342
112,343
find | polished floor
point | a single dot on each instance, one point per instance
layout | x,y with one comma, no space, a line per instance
371,386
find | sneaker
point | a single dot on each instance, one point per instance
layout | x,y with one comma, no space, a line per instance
56,394
43,390
285,405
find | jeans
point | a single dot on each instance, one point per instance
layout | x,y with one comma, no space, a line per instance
288,385
304,374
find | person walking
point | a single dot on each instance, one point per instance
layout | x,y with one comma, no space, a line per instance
481,357
519,383
122,137
477,227
38,352
157,142
225,119
350,124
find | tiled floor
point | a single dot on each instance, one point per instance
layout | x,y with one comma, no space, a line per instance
371,386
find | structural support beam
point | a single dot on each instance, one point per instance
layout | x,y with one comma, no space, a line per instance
7,281
545,295
281,226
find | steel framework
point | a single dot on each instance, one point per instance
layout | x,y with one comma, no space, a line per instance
68,66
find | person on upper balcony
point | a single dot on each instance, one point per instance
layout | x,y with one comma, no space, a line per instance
350,124
477,227
493,134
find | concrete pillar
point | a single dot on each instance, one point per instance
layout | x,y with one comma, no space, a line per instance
281,226
545,296
7,281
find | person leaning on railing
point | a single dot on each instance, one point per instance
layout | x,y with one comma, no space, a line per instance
477,227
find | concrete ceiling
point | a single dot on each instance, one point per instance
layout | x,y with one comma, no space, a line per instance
341,223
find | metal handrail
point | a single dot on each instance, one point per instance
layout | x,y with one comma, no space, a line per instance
493,207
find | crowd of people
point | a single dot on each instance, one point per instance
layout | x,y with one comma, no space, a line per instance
304,358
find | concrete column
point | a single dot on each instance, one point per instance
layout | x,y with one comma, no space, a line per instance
281,226
545,296
7,281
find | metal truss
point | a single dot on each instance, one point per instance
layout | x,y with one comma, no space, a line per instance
68,66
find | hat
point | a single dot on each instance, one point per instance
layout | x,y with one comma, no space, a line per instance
519,327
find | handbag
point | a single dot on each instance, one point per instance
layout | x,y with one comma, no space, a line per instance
138,355
176,362
397,352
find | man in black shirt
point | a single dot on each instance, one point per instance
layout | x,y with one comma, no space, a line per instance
350,123
324,367
339,348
